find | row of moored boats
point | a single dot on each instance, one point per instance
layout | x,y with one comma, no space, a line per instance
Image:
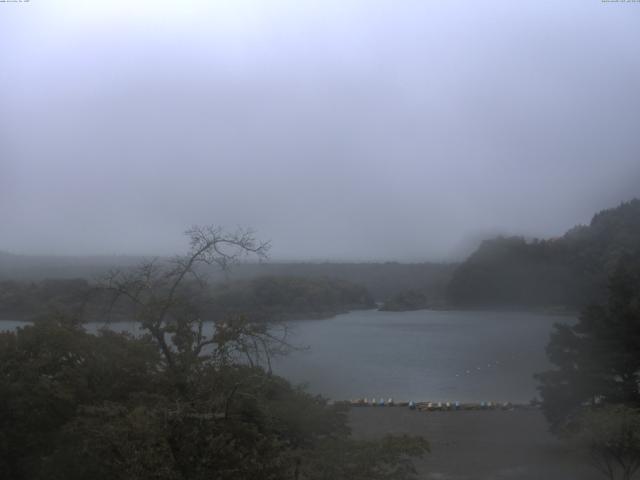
434,406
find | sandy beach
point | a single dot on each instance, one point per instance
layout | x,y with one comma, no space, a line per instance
478,445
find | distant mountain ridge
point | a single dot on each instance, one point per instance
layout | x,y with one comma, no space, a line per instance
569,271
566,272
40,267
382,279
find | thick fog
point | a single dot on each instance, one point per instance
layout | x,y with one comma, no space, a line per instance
352,129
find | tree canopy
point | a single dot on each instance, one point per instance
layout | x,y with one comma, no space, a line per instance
598,358
569,271
175,403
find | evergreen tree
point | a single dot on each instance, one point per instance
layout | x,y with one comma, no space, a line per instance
597,359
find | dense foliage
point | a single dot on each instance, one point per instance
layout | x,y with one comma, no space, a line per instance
25,300
382,280
285,297
177,403
570,271
76,406
597,359
405,301
264,298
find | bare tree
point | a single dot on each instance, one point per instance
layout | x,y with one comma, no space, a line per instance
167,299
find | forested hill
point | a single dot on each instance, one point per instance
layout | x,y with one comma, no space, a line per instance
382,279
569,271
263,298
284,297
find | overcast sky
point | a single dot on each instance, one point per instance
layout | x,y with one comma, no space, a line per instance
347,129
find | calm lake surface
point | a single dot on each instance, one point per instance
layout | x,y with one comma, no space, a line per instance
423,355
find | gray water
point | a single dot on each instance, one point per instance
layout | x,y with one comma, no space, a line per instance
462,356
422,355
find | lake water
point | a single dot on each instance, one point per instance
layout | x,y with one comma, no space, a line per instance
423,355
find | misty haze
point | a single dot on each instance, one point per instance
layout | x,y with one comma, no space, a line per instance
278,239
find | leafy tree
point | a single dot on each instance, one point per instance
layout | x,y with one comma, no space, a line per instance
50,369
176,403
598,358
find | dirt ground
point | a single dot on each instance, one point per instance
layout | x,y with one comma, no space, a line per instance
478,445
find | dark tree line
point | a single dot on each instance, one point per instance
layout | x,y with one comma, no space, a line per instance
266,298
570,271
26,300
285,297
382,280
406,301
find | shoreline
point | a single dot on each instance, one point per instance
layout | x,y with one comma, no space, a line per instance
548,311
327,315
427,406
